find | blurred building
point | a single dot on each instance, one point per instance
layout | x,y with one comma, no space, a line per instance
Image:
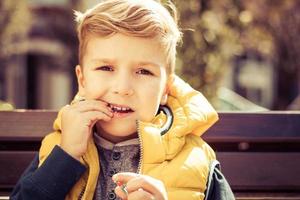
253,77
41,75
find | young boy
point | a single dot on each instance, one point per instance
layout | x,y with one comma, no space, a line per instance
133,130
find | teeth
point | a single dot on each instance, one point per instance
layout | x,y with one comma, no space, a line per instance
119,108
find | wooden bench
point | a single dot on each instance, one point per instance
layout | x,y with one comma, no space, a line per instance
259,152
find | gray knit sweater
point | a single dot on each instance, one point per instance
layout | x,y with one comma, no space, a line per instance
114,158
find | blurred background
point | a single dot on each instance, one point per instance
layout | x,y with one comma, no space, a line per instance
241,54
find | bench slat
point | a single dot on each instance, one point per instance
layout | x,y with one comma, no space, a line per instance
280,126
243,170
12,166
261,171
232,127
267,196
25,125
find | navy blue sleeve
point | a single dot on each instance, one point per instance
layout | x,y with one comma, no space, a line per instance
217,186
52,180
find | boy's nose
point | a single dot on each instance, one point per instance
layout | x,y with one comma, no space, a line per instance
123,86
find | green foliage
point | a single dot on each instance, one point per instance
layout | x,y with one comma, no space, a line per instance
209,42
215,32
14,23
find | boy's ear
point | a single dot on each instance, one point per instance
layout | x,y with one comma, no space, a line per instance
164,98
80,80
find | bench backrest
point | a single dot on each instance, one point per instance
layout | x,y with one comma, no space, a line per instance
259,152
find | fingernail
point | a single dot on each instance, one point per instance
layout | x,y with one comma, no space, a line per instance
114,178
111,114
119,183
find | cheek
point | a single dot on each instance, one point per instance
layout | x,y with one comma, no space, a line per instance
94,87
151,96
153,90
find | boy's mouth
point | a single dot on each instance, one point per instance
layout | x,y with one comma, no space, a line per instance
120,109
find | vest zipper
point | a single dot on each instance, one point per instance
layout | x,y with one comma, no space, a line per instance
139,170
83,188
81,193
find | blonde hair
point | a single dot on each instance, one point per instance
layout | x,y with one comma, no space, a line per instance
138,18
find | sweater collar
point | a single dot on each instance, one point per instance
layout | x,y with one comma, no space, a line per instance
102,142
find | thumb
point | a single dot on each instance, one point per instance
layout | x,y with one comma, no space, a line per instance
124,177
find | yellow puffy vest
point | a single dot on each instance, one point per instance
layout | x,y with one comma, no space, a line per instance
179,158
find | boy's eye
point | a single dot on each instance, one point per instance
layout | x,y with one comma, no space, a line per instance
105,68
144,72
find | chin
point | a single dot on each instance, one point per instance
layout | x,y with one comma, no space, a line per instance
120,130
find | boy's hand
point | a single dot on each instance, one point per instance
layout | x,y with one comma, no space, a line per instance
77,122
132,186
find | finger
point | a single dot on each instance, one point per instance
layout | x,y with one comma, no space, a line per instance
142,182
124,177
93,105
121,192
92,117
136,181
90,102
77,99
140,194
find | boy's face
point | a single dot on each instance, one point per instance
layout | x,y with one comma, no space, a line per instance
126,72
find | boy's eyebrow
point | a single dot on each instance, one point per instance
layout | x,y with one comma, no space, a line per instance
148,63
104,60
112,61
